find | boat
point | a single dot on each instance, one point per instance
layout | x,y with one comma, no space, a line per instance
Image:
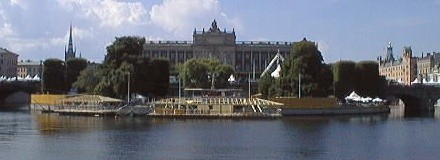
87,105
327,106
337,110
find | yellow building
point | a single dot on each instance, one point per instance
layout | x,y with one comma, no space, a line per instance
29,68
403,70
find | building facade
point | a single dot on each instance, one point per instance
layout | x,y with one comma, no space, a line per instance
402,70
8,63
407,69
29,68
243,56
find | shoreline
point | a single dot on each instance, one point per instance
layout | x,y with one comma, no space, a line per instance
340,110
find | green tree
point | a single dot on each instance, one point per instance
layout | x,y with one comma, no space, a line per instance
345,77
53,76
73,68
306,60
198,73
161,77
89,79
124,60
124,49
368,80
266,86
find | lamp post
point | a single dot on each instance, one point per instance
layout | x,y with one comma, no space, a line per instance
128,88
249,85
299,85
212,76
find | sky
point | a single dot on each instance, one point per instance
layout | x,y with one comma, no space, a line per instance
343,29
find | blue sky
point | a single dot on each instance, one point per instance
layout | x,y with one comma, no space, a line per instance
344,29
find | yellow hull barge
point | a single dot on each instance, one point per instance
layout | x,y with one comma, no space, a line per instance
219,107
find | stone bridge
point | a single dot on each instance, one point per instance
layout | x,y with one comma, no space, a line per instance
18,89
418,99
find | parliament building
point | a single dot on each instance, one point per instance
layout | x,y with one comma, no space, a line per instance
243,56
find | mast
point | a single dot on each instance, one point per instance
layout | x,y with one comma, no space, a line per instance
299,85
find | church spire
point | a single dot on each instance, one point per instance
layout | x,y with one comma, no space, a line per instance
70,53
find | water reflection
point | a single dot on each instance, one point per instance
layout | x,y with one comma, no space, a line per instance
26,135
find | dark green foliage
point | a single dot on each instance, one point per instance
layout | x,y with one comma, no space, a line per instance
53,76
197,73
161,77
266,86
123,59
362,77
124,49
89,78
345,77
368,80
325,83
73,68
306,60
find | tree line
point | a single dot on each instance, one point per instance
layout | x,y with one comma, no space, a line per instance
58,76
306,65
122,62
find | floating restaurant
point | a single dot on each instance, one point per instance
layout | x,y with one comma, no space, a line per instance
213,103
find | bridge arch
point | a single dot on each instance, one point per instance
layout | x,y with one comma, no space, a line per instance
418,100
11,91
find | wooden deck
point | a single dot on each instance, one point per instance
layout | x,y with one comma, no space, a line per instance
216,116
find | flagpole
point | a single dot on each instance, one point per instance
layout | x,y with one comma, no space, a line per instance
299,85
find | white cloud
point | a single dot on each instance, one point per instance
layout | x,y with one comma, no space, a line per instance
6,30
109,13
21,3
323,46
235,22
178,15
81,33
5,27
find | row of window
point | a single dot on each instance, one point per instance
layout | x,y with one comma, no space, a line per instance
23,69
244,60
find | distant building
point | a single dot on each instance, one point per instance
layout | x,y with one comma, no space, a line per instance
243,56
8,63
408,68
69,52
29,68
402,70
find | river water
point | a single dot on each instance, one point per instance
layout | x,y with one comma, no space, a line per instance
27,134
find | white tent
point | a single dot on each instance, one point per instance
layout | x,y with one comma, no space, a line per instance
28,78
431,80
400,81
231,78
10,79
424,80
36,78
18,78
353,96
276,73
366,100
377,99
415,81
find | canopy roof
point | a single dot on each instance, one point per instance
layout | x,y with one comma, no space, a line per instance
353,95
91,99
231,78
277,71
